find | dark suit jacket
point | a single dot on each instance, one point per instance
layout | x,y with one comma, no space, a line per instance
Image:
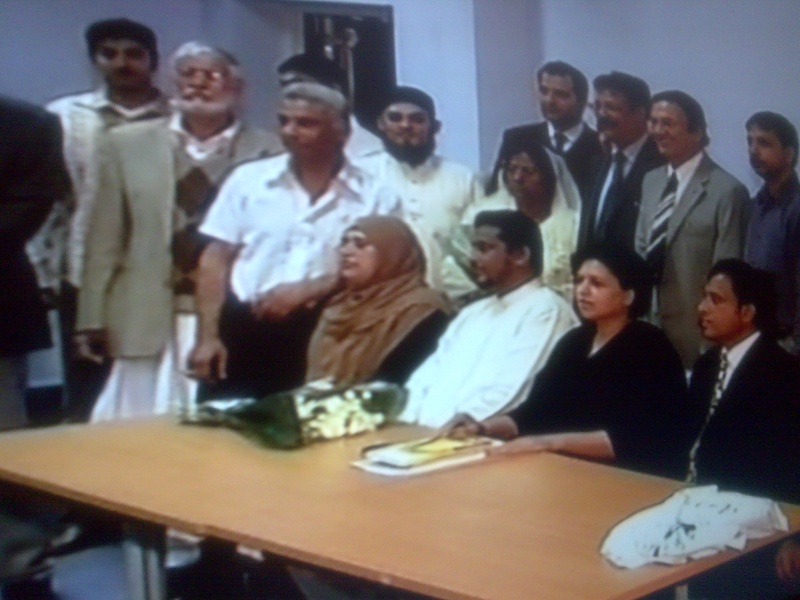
32,177
583,158
620,224
752,443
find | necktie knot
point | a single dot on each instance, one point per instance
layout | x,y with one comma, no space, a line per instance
671,187
560,141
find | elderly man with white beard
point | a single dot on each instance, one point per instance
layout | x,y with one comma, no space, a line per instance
155,184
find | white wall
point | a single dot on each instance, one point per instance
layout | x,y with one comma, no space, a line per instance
735,56
508,52
42,51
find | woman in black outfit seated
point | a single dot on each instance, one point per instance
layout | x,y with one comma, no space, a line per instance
385,320
613,389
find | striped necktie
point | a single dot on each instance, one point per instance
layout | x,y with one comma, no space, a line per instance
657,246
719,389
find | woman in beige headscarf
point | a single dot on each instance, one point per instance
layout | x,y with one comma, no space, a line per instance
386,320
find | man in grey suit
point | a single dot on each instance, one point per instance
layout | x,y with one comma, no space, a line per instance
693,213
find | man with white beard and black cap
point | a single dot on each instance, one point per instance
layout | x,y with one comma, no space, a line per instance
434,192
155,184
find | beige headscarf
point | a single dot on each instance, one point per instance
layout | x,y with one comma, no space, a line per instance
360,327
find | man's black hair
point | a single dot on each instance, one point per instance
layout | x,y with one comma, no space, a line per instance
516,231
695,117
561,69
121,29
635,91
751,286
780,126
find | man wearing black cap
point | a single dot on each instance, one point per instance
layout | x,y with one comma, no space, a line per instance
435,192
318,69
125,56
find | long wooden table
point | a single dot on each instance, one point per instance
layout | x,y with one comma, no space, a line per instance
507,528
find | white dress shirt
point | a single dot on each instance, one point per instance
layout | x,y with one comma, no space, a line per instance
264,209
485,362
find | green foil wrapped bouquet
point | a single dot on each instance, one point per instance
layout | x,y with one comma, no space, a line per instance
316,411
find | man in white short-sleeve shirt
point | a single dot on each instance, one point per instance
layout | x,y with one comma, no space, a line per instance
275,226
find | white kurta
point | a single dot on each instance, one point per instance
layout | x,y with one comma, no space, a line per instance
486,360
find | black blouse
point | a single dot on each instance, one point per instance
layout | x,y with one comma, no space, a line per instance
634,388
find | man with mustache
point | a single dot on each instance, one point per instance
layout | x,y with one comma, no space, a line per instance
156,182
773,235
563,95
124,55
621,104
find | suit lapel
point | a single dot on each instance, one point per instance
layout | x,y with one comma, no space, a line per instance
694,192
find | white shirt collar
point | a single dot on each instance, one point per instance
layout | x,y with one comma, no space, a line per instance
349,176
686,170
219,144
572,134
736,354
631,151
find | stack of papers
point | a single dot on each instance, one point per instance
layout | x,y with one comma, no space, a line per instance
692,523
423,455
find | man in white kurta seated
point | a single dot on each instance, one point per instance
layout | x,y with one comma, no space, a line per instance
136,303
434,191
486,360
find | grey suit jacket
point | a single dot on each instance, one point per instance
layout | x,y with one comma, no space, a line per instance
709,223
127,287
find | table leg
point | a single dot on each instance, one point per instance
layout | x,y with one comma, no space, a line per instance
143,548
